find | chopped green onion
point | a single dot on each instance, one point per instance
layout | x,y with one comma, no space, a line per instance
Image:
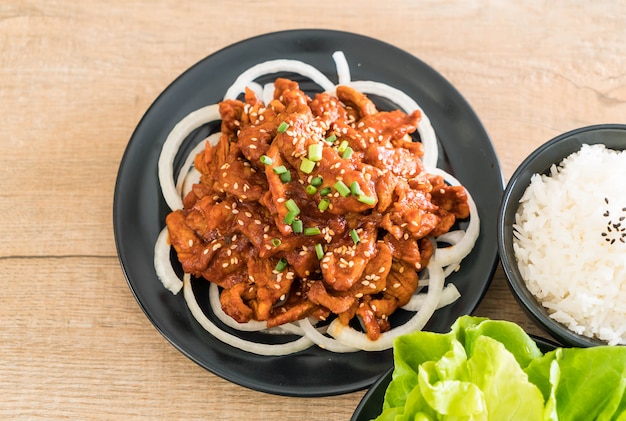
368,200
310,189
266,160
312,231
307,166
281,265
282,127
315,152
331,138
276,242
355,236
317,181
296,226
292,206
347,153
325,191
323,204
319,251
290,217
280,169
285,177
342,146
355,189
341,187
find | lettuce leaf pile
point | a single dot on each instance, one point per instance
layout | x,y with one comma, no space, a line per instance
492,370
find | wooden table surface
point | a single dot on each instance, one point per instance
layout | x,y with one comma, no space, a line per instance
76,77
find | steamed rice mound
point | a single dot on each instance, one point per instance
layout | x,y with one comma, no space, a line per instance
570,242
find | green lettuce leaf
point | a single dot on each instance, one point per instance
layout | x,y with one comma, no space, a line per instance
465,374
587,383
492,370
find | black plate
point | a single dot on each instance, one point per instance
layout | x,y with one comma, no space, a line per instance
371,405
139,209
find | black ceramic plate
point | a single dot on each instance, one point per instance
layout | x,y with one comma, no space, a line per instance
372,403
139,209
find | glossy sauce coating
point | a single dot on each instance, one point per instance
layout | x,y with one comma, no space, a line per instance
309,207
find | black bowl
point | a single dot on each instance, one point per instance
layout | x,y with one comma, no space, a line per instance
613,136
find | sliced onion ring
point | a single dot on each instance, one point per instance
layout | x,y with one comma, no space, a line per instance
352,337
235,341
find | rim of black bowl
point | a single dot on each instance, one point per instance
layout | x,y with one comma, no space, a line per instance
539,161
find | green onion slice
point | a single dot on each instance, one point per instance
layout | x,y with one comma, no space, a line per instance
315,152
342,146
325,191
296,226
281,265
285,177
317,181
355,236
307,166
319,251
331,138
341,187
292,206
266,160
323,204
290,217
281,169
355,189
282,127
312,231
276,242
310,189
368,200
347,153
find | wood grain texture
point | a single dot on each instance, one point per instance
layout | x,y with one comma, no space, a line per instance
75,79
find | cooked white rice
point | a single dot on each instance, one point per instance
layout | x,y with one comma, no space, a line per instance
570,242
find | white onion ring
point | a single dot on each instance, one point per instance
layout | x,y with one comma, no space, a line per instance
275,66
449,295
324,342
455,253
188,165
252,347
171,146
163,264
349,336
343,69
406,103
214,302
